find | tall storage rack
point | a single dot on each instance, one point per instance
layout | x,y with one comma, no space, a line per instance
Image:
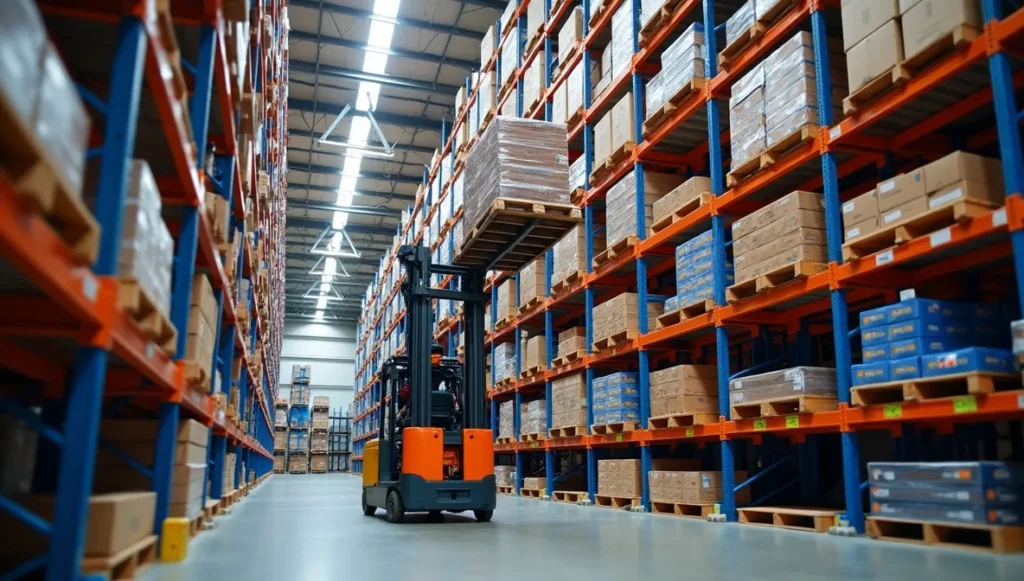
87,358
837,157
340,442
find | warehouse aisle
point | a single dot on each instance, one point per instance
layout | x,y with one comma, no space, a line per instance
311,528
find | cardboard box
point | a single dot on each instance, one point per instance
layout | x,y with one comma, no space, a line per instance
620,314
680,196
861,229
114,522
569,401
870,373
559,104
930,20
146,431
861,208
773,231
778,209
623,126
876,54
532,279
505,307
536,351
900,190
202,297
804,252
904,212
781,244
570,34
603,139
960,166
965,190
862,17
666,405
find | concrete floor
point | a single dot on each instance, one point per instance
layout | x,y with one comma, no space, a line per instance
311,528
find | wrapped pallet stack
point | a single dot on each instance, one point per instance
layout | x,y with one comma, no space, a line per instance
318,437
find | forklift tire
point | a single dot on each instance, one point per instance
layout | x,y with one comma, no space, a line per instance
483,515
395,508
367,509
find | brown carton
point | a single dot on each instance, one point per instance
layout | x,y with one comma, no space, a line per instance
904,211
202,297
862,17
900,190
860,208
623,122
861,229
620,314
115,521
571,33
682,404
876,54
804,253
603,139
688,379
569,401
781,244
931,20
959,166
534,482
776,210
680,196
532,280
146,431
536,352
505,307
796,221
966,190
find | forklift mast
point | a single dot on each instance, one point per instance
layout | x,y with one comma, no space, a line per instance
419,337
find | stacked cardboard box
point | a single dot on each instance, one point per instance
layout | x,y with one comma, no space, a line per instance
692,487
616,398
623,478
621,200
202,328
487,46
789,230
536,352
298,463
228,482
569,254
318,443
571,34
137,439
520,159
985,493
783,383
921,337
534,417
695,280
683,194
534,81
614,130
281,439
506,425
505,476
684,389
504,362
569,401
486,97
532,280
147,249
619,315
682,62
535,483
279,463
572,340
318,463
298,441
578,173
956,177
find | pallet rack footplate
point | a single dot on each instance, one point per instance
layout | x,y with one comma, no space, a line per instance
683,509
801,519
127,564
988,538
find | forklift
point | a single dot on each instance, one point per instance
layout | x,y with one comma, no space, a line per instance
435,449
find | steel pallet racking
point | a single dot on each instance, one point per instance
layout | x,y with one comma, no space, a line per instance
340,441
960,84
91,360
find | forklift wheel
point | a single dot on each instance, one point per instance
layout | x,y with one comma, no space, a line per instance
367,509
483,515
395,508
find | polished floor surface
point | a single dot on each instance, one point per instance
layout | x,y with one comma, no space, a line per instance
310,527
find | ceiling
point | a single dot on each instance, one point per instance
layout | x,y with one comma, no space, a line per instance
434,46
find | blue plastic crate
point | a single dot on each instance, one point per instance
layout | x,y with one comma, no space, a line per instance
967,360
879,352
874,336
921,346
869,373
915,328
906,368
874,318
924,309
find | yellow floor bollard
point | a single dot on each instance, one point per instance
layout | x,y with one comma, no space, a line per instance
174,540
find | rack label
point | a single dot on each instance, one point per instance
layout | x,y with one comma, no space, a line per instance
941,237
792,421
150,350
883,258
892,411
760,425
89,286
533,444
689,431
965,404
999,217
618,437
835,132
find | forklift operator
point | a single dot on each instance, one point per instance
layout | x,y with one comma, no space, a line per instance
436,379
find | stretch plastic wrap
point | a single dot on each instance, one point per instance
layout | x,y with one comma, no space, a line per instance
746,116
622,39
740,22
682,61
578,173
519,159
61,121
147,249
506,426
504,361
509,56
534,417
22,39
783,383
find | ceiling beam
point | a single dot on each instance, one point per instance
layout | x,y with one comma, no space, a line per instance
396,52
333,110
358,210
399,21
388,80
373,261
355,87
363,175
318,224
329,190
498,5
397,146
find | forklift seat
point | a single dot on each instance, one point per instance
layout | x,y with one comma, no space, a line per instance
442,409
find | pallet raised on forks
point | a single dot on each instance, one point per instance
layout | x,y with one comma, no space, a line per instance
614,428
801,519
946,386
778,277
127,564
995,539
681,420
684,509
517,230
794,404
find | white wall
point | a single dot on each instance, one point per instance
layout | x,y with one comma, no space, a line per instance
330,350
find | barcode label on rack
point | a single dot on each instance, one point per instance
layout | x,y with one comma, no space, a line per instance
999,217
883,258
150,350
835,132
689,431
941,237
89,286
1020,401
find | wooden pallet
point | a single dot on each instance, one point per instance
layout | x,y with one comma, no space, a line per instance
507,382
557,287
683,509
535,370
614,428
575,117
197,376
620,502
773,155
896,76
684,313
570,496
775,12
567,432
656,119
988,538
563,61
504,322
530,304
616,339
915,227
529,493
568,358
195,526
780,276
615,250
800,519
503,229
127,564
681,420
960,384
657,21
794,404
602,170
533,437
41,188
739,44
137,303
311,471
683,211
960,36
505,440
509,490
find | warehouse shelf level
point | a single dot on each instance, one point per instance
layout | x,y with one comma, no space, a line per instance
962,97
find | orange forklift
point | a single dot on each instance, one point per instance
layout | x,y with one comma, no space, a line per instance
435,451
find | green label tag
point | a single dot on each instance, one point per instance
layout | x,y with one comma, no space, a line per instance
618,437
689,432
792,421
965,404
892,411
760,425
533,444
